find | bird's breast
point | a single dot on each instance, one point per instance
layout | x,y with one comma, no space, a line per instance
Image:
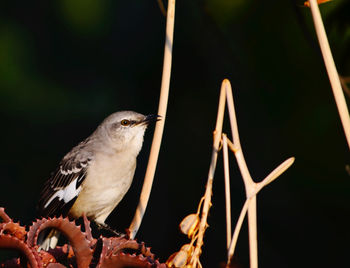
108,179
111,170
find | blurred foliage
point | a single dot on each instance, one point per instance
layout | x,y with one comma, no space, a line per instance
85,16
224,12
65,65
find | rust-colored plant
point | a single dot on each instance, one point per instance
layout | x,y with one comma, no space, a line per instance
82,251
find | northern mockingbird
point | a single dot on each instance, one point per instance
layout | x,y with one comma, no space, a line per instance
96,174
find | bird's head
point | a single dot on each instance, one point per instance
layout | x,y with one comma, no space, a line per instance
126,129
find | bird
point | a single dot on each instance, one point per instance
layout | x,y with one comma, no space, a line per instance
95,175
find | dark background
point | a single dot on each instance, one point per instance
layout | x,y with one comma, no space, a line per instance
65,65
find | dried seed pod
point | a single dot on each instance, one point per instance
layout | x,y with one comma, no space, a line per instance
188,248
177,259
181,258
170,260
189,225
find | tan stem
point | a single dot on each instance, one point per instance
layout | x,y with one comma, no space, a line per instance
271,177
251,187
158,133
208,191
248,181
227,190
237,230
344,85
331,69
161,7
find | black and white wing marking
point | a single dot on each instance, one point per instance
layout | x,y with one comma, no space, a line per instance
64,185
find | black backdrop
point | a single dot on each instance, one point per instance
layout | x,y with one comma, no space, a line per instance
65,65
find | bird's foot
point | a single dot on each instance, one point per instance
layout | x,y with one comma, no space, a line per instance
105,227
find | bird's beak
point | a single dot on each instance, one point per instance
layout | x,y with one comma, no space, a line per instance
149,119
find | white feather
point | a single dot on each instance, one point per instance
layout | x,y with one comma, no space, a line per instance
67,193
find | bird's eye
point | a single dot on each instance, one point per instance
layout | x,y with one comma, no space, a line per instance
125,122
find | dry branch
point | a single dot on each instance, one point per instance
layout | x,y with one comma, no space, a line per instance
158,133
331,69
251,187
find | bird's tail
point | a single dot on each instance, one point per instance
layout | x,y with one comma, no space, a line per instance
46,242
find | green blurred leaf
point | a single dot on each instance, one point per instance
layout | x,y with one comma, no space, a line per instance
85,16
11,54
224,11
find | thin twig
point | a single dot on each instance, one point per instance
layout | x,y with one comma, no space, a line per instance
231,146
161,7
251,187
227,190
208,191
247,179
344,85
237,230
269,178
331,69
276,172
157,138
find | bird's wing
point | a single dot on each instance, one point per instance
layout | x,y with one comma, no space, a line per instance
64,185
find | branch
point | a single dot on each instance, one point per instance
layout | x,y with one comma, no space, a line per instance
157,138
331,69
